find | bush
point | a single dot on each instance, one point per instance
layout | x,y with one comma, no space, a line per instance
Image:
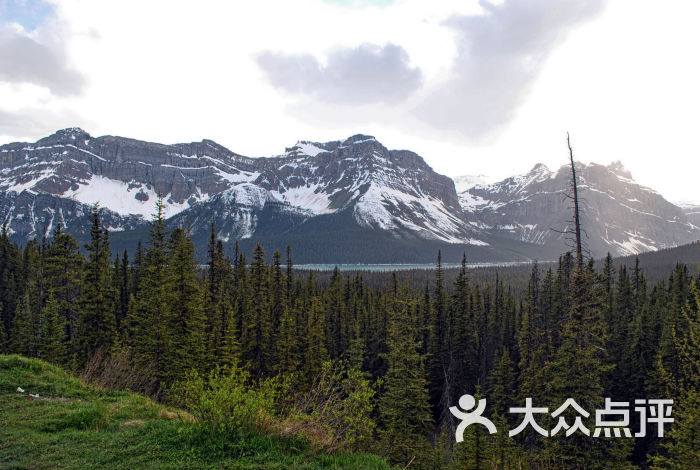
117,371
336,413
228,402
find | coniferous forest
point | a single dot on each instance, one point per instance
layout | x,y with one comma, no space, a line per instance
375,367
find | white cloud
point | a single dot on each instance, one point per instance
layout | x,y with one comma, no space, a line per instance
364,74
39,59
624,84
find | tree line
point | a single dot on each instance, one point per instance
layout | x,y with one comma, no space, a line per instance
577,331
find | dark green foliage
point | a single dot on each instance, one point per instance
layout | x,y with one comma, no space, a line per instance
149,318
53,333
548,332
96,320
404,408
187,322
63,268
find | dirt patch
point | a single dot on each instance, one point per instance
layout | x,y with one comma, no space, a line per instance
134,423
172,415
58,399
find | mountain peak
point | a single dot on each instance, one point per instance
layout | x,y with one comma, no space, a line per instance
72,133
539,168
69,135
619,169
358,138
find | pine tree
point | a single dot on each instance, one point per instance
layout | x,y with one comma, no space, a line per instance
3,334
63,268
136,270
150,316
257,324
186,313
24,335
475,451
11,284
122,283
465,349
53,332
675,332
286,345
97,325
404,408
577,371
534,341
26,324
679,448
502,382
316,350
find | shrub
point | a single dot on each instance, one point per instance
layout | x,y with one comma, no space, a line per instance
229,401
117,371
336,413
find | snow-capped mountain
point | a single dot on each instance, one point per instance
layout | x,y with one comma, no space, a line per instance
58,178
340,201
618,215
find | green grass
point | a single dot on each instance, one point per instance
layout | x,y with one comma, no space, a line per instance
73,425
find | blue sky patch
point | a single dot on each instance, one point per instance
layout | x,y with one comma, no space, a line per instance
28,13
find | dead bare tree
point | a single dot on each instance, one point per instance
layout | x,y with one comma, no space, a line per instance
577,219
577,243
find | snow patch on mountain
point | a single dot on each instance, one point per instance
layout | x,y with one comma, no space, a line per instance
389,209
17,186
304,147
123,198
248,195
310,197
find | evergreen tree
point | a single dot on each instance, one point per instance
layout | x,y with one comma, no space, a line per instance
24,335
150,316
286,345
3,334
404,407
97,325
26,327
186,313
466,338
257,324
679,448
122,285
63,268
577,371
316,350
11,281
53,332
503,450
475,451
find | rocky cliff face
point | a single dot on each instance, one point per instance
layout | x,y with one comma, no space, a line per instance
618,215
354,192
51,181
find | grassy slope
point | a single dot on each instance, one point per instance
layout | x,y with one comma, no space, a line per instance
77,426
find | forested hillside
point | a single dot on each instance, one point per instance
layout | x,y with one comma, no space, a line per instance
405,355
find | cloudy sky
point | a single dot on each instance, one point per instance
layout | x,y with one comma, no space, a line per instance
475,87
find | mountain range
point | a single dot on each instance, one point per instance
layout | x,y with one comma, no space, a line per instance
341,202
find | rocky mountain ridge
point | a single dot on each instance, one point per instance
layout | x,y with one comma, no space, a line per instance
343,197
618,214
